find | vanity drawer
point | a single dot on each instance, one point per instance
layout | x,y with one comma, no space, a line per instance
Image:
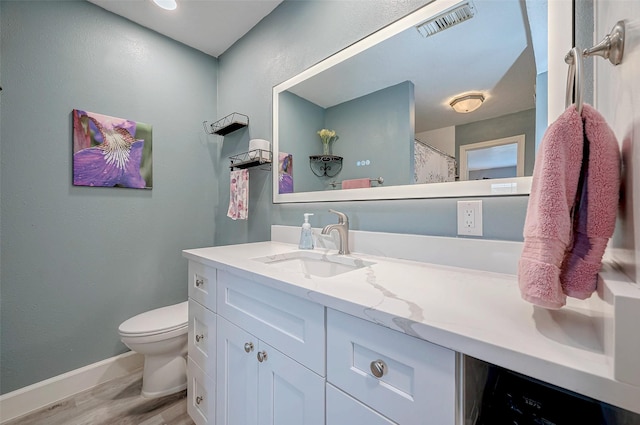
418,382
202,337
202,284
293,325
201,396
343,409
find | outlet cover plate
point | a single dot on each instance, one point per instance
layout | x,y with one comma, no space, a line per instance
470,218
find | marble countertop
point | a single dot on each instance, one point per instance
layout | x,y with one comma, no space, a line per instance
478,313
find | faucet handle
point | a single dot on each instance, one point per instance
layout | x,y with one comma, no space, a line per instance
342,217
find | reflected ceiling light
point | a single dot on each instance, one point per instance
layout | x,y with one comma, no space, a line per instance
166,4
467,103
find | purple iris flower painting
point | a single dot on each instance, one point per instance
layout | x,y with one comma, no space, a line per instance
285,173
111,152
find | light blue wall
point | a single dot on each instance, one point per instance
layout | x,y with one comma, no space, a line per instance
298,136
377,127
292,38
77,261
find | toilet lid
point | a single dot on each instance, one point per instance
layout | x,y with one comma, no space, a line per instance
160,320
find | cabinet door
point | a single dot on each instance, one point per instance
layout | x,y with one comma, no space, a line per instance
289,394
237,376
343,409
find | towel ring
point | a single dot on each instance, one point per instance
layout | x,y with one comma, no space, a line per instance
575,79
611,47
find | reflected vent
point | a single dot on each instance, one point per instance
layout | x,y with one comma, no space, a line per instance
447,19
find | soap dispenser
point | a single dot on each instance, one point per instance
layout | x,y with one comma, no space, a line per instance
306,235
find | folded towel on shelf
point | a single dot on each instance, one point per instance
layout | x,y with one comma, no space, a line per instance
597,205
239,195
569,219
356,183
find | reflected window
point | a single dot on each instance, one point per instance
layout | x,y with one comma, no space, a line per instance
493,159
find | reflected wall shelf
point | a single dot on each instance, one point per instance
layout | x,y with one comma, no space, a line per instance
325,165
226,125
253,158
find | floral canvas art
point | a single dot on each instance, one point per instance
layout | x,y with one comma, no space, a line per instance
111,152
285,173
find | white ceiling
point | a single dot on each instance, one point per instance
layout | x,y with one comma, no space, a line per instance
491,53
210,26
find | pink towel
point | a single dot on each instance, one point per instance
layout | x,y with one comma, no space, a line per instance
356,183
556,262
595,219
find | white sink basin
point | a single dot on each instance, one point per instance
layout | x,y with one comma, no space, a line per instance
315,263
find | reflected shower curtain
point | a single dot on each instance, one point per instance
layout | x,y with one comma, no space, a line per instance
432,165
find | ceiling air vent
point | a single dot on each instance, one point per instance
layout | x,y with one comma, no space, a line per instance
447,19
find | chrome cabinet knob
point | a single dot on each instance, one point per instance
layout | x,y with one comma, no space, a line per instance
262,356
199,399
199,337
199,282
378,368
248,347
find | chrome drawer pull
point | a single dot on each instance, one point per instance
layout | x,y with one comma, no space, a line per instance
248,347
199,282
199,337
378,368
199,399
262,356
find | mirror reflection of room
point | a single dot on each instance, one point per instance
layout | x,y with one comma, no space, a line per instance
405,108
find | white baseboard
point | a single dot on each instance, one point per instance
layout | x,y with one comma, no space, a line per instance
44,393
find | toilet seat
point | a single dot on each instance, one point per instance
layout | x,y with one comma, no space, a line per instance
170,319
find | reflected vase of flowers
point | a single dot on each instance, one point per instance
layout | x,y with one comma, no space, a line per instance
327,137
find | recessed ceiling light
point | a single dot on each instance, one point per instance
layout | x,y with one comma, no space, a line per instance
166,4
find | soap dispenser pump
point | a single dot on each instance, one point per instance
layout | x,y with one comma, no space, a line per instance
306,235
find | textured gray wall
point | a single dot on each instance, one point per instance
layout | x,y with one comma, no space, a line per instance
77,261
292,38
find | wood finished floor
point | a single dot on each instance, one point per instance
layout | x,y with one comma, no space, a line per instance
117,402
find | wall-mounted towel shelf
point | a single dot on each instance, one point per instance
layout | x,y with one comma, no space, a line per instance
226,125
253,158
378,180
325,165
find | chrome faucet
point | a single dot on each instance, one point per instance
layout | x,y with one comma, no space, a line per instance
343,230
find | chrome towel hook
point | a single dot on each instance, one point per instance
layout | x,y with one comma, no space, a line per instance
611,47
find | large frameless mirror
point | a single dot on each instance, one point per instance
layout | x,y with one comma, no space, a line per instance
450,100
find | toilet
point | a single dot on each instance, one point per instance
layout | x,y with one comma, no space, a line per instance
161,336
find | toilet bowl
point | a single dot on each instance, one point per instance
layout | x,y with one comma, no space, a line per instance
161,336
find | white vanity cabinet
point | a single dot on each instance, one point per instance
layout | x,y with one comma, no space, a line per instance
263,356
201,361
270,356
406,379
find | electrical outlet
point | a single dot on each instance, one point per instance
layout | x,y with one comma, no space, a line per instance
470,218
